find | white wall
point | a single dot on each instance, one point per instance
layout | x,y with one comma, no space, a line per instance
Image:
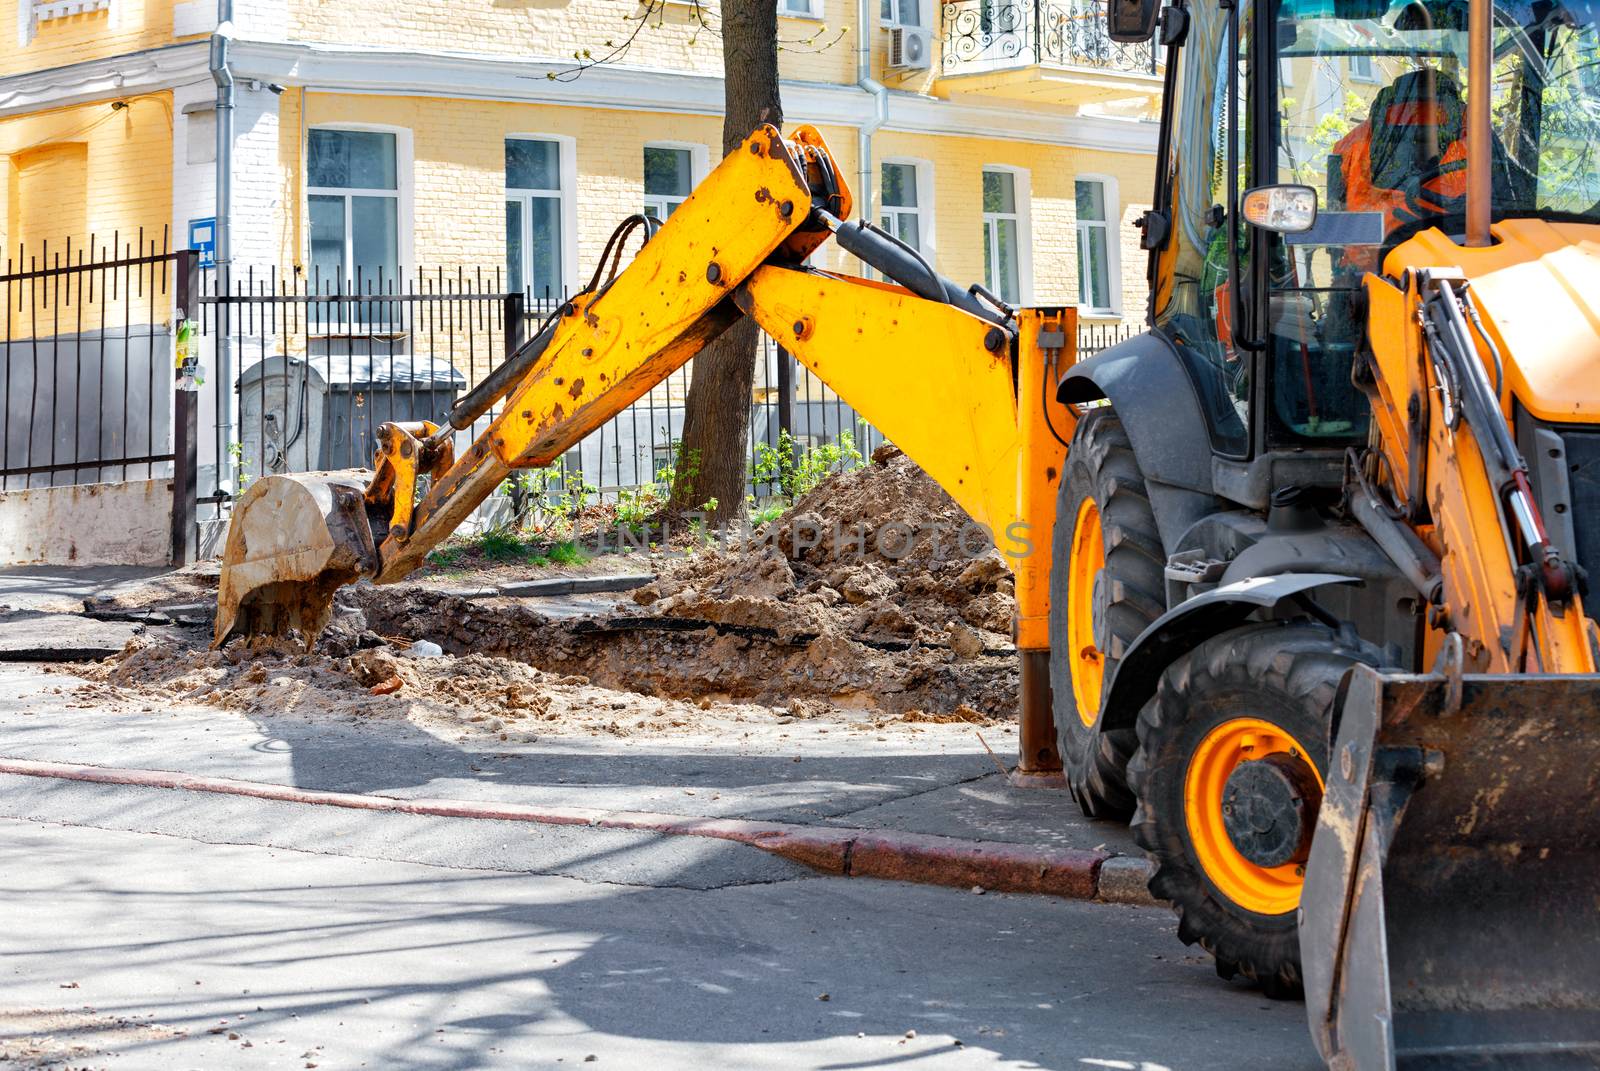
88,524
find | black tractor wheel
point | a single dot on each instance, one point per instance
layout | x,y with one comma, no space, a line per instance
1106,585
1233,753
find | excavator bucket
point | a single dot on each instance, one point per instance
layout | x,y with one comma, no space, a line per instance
293,541
1451,912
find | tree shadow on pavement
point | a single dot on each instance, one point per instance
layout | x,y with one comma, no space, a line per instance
394,966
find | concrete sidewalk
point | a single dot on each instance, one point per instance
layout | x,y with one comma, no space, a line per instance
172,952
939,792
62,589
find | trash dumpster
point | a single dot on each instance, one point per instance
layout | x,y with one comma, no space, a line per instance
300,415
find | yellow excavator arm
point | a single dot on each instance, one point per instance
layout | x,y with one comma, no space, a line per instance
954,376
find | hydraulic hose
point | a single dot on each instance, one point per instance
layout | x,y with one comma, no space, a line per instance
904,265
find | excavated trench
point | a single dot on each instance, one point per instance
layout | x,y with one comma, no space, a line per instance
694,659
872,591
871,596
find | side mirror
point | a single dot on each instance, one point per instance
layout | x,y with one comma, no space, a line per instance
1284,209
1131,22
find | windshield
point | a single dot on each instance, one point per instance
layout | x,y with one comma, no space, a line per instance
1373,103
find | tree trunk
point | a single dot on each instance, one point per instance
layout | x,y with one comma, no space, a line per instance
716,419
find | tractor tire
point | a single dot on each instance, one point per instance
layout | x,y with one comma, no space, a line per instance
1265,689
1106,586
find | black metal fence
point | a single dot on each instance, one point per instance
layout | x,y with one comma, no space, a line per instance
982,35
86,362
87,378
317,369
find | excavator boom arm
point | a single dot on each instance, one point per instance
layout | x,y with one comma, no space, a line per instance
735,247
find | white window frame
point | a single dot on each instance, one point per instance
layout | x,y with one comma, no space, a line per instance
699,164
813,11
1370,77
566,197
403,158
923,170
1113,201
896,21
1022,189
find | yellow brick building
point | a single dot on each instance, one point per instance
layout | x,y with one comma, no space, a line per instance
108,124
1009,139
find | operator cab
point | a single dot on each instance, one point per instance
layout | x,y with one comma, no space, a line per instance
1362,104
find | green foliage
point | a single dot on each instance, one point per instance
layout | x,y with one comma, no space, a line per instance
504,545
568,553
543,503
240,466
447,557
760,515
686,468
1329,129
638,506
795,472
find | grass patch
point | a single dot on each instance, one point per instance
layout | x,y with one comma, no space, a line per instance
448,557
568,553
503,547
500,546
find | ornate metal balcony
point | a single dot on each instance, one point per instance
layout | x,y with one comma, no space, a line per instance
991,35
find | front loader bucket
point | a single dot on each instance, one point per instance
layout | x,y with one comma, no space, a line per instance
1451,912
293,541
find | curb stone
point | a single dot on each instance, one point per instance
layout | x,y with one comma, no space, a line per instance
1073,873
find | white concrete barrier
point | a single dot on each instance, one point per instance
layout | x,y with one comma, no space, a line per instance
88,524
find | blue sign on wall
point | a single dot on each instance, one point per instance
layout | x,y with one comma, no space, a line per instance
203,239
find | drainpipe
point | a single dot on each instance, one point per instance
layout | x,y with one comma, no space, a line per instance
880,107
221,74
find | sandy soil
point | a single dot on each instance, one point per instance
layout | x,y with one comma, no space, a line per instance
66,1040
470,696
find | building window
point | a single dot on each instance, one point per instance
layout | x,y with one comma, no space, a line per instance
533,218
1361,69
902,212
1094,247
668,178
353,197
1002,236
900,12
801,9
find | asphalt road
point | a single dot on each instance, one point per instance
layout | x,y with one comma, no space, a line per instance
168,930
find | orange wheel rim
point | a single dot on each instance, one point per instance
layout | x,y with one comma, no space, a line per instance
1083,569
1263,890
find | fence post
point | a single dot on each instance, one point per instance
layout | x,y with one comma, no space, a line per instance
516,326
785,396
185,405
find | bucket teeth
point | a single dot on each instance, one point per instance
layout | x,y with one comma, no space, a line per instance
292,543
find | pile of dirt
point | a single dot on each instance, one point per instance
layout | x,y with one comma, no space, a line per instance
871,592
880,552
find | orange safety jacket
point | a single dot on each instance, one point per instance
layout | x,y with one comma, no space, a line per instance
1355,162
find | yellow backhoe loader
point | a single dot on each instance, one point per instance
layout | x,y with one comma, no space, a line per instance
1305,596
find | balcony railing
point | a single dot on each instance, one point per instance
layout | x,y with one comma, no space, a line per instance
988,35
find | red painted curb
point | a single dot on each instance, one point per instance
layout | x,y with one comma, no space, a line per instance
896,856
929,860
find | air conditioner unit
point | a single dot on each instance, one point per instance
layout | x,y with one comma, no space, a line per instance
910,48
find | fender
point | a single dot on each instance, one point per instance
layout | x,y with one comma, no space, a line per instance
1155,399
1183,627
